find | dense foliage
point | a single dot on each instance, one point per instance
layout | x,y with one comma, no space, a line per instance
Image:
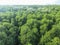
30,25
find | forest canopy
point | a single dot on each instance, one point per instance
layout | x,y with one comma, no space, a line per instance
30,25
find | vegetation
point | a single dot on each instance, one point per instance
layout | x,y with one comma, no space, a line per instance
30,25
